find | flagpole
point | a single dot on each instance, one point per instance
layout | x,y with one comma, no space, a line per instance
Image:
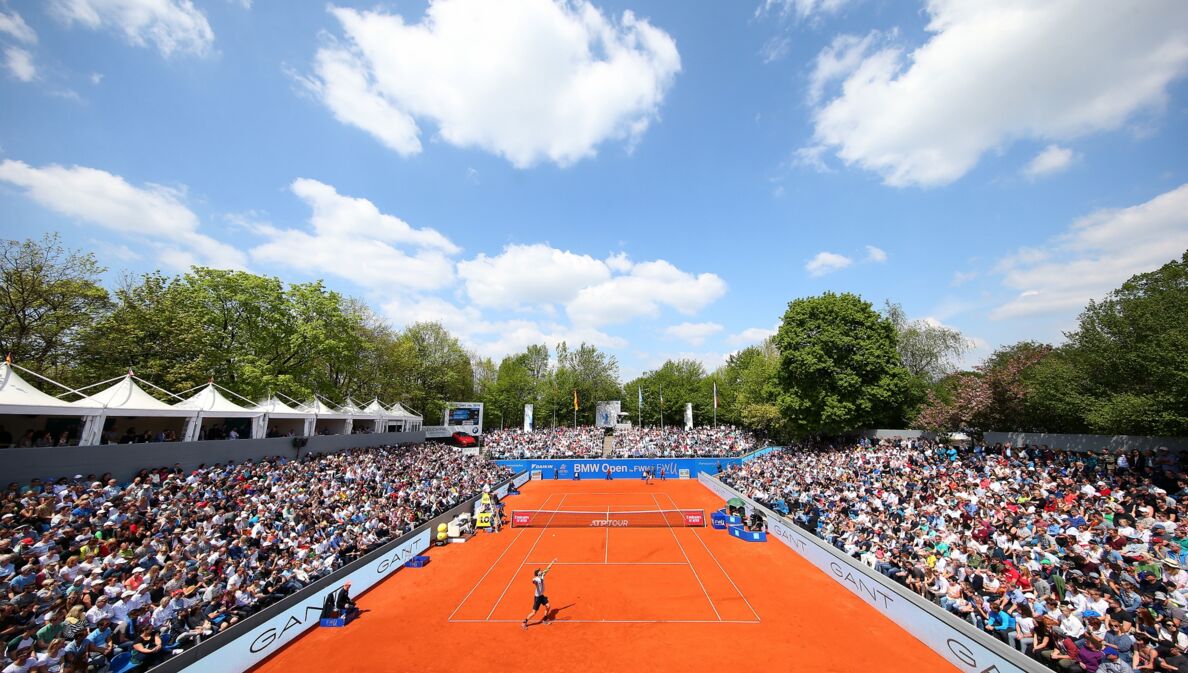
661,408
715,404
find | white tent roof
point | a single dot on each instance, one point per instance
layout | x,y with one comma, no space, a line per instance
398,411
277,409
316,406
125,398
349,407
375,409
19,398
213,404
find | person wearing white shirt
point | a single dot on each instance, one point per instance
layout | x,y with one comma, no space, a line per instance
1070,624
102,608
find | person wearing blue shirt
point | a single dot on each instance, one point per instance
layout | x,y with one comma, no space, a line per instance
1000,623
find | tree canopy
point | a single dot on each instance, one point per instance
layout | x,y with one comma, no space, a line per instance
834,366
839,368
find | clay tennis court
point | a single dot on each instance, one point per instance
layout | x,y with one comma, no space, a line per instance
625,598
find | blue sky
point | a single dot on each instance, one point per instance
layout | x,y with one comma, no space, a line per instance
659,179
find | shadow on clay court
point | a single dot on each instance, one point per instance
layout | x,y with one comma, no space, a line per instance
552,616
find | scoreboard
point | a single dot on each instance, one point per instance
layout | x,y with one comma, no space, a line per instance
464,417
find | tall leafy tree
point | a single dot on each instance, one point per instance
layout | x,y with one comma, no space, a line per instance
1131,350
439,371
48,295
839,367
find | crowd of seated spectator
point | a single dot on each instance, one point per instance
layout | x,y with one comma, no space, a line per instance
587,442
717,442
92,567
1076,559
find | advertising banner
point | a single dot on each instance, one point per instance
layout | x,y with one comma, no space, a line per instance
528,418
688,415
620,468
955,640
271,636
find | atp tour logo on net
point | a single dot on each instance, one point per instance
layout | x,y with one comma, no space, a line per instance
609,523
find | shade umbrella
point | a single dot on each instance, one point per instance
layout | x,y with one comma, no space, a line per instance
736,502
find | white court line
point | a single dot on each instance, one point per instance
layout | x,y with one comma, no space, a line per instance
613,621
695,575
616,563
530,550
492,567
715,558
606,557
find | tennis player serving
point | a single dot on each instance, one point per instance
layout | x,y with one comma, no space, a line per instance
539,598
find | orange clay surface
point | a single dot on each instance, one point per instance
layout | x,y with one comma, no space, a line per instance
658,600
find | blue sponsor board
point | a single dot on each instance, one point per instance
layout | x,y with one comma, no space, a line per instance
620,468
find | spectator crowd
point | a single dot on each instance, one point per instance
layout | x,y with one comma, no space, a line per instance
1075,559
587,442
91,567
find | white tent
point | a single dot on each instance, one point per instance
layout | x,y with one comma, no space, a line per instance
25,409
401,419
328,421
124,402
375,415
212,404
279,419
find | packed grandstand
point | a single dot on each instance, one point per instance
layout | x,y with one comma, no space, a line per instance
634,442
89,565
1076,559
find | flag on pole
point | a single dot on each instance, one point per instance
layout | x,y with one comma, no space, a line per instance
661,397
639,391
715,394
575,399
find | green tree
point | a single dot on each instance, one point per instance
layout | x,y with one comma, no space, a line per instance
1131,352
439,371
591,372
681,381
839,367
48,295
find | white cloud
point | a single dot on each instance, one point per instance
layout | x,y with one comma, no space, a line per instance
153,214
96,78
490,338
1052,159
992,73
642,292
530,80
20,64
801,9
962,277
874,254
775,48
352,239
14,26
1097,254
836,61
826,262
619,262
750,336
695,333
172,26
528,275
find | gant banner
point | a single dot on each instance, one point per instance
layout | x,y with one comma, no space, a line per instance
955,640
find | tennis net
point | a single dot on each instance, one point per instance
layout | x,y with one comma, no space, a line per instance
655,518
